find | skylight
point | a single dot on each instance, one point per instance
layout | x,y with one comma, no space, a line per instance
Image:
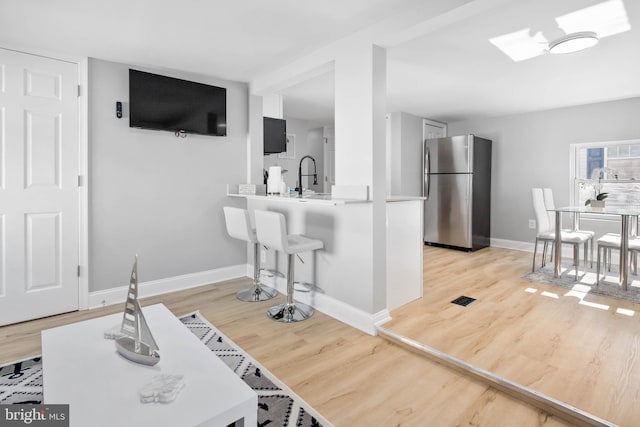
605,19
521,45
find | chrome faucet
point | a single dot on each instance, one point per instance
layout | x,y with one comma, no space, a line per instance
300,175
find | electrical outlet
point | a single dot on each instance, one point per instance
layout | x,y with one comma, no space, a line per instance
532,223
263,256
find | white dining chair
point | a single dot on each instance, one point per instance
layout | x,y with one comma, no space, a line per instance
550,205
547,234
611,241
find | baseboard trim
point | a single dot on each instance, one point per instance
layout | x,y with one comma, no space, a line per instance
352,316
118,294
515,245
380,318
512,244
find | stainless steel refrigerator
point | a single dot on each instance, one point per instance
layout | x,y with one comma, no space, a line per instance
457,188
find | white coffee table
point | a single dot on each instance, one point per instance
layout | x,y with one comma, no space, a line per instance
84,370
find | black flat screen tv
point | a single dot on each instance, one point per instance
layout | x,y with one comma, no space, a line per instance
166,103
274,135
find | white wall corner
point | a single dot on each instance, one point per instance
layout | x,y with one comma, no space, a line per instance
380,318
118,294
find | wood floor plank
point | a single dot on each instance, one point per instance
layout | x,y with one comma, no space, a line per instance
355,379
575,348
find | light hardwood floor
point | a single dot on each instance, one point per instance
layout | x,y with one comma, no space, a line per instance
355,379
581,349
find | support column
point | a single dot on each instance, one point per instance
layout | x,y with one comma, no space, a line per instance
360,107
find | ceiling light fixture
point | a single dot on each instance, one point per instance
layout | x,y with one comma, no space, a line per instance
573,42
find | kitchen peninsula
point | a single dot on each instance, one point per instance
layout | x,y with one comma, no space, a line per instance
339,273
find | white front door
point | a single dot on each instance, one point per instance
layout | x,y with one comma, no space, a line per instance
38,186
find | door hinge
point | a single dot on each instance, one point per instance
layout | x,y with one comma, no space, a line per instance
80,183
78,271
78,91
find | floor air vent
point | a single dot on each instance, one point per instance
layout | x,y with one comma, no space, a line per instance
463,301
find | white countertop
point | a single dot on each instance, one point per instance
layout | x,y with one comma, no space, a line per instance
404,198
320,198
349,194
313,198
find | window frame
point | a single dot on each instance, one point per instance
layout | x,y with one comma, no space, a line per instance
574,158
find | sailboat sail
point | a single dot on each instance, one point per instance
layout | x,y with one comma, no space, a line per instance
144,331
138,343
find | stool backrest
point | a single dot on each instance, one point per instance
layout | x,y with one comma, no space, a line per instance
271,229
239,224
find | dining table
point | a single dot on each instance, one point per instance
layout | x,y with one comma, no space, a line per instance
625,214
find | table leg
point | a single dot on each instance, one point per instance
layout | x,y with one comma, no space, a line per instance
557,253
624,251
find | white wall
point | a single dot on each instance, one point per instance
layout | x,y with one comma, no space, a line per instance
156,195
532,150
309,141
404,154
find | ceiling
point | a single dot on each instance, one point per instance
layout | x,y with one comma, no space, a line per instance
449,72
234,40
455,73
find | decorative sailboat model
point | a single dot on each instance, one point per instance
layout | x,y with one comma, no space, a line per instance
137,343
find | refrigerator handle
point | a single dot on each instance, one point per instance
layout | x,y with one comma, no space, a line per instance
427,170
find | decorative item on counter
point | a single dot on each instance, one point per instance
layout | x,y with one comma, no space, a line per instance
283,187
598,202
597,176
114,333
137,343
162,389
247,189
274,180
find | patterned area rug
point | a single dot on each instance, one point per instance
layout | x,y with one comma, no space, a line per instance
586,282
21,382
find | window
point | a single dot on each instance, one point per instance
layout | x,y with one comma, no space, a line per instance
607,167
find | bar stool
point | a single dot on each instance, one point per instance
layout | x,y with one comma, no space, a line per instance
271,229
239,227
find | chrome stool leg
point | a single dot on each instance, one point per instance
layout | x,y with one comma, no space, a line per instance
290,311
304,286
269,272
257,291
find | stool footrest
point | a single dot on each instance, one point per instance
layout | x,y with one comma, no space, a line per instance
270,273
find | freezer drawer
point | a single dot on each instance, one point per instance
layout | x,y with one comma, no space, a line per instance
447,209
